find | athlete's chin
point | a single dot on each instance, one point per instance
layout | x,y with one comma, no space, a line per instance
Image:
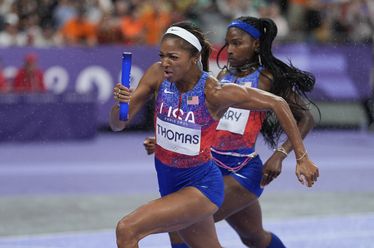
168,76
234,63
171,78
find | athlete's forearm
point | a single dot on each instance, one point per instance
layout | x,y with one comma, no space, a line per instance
114,122
305,125
289,125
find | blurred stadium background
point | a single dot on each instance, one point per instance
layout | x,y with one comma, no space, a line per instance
66,179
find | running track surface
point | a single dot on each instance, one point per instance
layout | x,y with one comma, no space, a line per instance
113,164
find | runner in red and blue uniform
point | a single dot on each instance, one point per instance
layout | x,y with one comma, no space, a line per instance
189,105
183,117
252,64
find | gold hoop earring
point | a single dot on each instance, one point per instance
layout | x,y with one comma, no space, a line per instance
259,59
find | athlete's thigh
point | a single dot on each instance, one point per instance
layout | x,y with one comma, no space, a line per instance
201,234
235,199
248,221
171,213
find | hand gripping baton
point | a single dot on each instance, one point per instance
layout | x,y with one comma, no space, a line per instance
125,81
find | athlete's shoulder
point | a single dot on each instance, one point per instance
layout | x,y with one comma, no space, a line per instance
211,83
265,80
156,69
154,75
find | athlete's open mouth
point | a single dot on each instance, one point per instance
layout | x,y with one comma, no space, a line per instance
168,74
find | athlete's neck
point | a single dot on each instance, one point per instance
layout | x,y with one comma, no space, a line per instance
243,70
188,82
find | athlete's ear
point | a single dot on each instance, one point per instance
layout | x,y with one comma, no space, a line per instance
197,58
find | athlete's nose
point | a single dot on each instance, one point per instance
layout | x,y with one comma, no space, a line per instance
165,62
230,52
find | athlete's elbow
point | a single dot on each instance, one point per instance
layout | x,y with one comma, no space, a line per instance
278,102
280,107
116,127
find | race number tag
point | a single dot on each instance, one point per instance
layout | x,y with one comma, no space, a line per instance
234,120
178,136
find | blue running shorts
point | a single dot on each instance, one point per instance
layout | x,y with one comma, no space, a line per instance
205,177
249,176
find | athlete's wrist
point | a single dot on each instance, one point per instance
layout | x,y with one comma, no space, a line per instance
301,157
281,151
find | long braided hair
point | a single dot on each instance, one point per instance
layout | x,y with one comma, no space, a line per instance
287,79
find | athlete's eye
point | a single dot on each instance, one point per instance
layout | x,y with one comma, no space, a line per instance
235,43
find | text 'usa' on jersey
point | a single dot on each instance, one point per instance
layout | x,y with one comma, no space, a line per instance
184,127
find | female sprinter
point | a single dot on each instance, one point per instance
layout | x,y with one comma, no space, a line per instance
189,104
251,63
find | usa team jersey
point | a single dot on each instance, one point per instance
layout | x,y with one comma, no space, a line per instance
238,128
184,127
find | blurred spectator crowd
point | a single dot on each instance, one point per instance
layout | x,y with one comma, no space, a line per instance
46,23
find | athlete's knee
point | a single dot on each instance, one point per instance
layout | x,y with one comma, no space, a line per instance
126,233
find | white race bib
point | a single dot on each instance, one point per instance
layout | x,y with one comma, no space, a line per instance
234,120
178,136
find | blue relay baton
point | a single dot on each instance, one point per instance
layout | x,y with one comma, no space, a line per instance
125,81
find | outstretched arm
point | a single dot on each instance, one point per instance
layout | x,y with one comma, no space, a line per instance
147,86
221,97
305,123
